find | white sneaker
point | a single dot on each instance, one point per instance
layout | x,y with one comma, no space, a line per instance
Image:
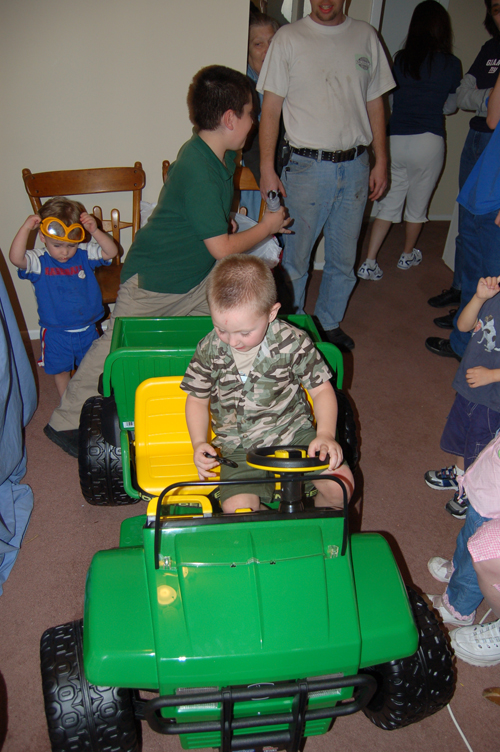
440,569
447,616
367,271
410,259
479,645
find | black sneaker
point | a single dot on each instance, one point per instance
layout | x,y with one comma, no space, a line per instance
457,506
340,339
446,322
440,346
445,298
66,440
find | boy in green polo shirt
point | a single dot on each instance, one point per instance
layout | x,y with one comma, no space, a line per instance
165,270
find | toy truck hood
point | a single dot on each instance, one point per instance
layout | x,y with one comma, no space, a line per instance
238,603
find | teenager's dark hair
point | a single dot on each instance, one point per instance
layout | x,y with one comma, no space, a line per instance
429,32
215,90
489,23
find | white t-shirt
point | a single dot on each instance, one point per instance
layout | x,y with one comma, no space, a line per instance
326,74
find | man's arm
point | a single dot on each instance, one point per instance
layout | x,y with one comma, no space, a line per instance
469,97
378,175
268,138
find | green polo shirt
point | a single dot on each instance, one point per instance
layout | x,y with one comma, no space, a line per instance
168,253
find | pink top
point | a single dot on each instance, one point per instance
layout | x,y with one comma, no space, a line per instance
481,481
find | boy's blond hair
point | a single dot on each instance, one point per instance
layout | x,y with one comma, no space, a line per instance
241,280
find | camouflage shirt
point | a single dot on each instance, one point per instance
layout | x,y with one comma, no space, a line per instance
270,407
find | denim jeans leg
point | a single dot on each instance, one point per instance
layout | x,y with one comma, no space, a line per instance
463,591
341,234
308,202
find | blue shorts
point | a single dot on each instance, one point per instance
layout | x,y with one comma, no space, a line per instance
62,351
469,428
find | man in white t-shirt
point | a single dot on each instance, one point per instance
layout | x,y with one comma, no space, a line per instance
328,73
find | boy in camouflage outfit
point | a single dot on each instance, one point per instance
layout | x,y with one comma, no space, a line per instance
250,371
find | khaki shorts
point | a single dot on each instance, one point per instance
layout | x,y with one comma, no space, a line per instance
264,490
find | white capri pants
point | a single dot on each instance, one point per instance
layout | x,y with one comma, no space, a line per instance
416,163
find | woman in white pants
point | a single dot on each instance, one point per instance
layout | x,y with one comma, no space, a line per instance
427,75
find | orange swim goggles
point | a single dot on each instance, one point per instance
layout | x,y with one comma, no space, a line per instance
55,229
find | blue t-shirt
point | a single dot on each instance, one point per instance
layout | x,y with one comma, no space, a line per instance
483,350
418,105
67,293
481,191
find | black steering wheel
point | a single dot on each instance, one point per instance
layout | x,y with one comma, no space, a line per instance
290,459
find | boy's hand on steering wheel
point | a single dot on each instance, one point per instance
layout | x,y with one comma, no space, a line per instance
325,444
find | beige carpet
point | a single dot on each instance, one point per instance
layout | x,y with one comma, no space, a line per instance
402,394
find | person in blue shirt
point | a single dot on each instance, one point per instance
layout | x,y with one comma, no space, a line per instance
427,77
62,272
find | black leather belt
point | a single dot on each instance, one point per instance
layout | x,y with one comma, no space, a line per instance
331,156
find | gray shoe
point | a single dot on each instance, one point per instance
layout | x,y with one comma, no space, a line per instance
457,506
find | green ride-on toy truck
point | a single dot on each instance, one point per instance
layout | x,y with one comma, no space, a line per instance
253,631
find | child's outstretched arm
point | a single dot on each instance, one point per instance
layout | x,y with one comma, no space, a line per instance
17,253
487,288
197,418
107,243
325,411
225,245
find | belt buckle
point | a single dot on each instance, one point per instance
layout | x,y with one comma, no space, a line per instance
338,156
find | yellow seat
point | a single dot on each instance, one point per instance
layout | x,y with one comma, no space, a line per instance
163,450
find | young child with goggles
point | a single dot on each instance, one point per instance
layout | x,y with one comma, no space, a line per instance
62,272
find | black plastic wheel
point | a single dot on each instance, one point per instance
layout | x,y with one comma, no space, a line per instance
80,716
99,463
414,688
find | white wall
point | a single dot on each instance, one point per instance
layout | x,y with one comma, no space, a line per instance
97,83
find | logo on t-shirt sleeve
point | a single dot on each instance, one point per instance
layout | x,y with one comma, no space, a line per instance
363,63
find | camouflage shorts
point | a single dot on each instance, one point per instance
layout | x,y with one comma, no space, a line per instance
264,490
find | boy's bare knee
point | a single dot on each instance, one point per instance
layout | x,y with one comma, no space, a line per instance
241,501
330,494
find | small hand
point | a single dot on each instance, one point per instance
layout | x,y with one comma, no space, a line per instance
32,222
326,445
201,457
89,222
497,219
278,221
487,287
478,376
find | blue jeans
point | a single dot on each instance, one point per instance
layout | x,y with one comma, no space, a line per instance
463,591
469,428
481,258
475,143
329,197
